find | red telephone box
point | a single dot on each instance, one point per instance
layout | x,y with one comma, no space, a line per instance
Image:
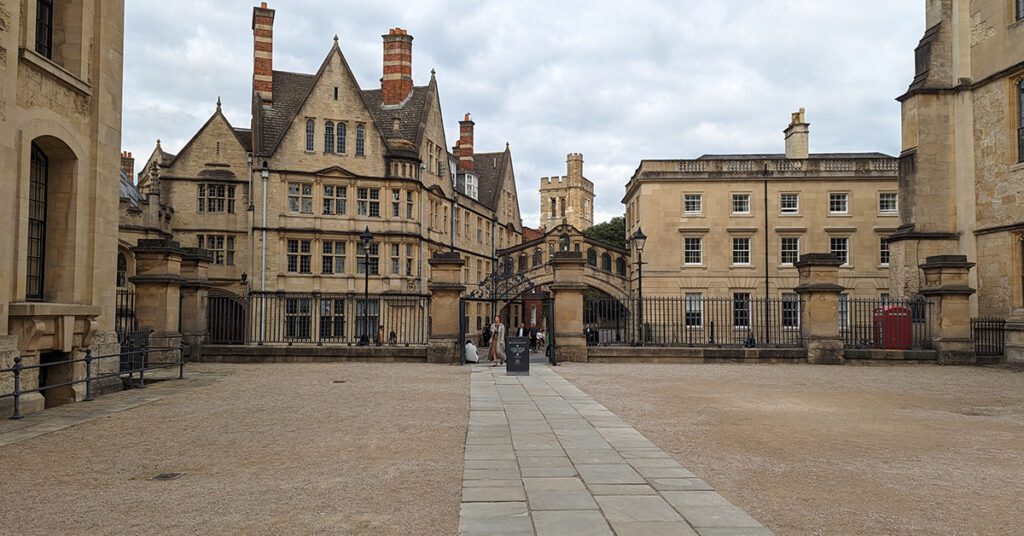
893,328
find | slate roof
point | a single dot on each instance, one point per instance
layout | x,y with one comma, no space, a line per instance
488,167
290,91
244,136
129,192
411,115
782,156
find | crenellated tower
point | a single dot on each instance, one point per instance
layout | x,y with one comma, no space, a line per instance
569,198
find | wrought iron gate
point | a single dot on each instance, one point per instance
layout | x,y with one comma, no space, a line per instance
502,291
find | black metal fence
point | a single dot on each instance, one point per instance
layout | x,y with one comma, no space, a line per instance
53,375
693,321
125,322
287,318
989,336
890,324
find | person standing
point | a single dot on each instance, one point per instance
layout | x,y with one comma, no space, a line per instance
533,337
497,342
521,331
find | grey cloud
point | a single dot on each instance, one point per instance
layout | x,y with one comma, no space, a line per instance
616,81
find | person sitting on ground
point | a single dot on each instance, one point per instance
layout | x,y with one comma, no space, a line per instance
471,353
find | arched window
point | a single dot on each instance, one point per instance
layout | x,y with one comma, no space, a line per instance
507,265
538,257
554,207
38,178
606,262
591,257
310,134
620,266
551,249
360,140
523,260
342,133
122,270
328,137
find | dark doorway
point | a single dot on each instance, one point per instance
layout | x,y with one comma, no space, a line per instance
52,375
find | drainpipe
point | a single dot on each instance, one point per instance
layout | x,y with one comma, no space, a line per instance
265,174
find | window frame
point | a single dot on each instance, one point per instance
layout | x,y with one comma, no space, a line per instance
329,137
699,251
303,194
832,248
749,250
310,135
699,198
299,260
883,210
748,199
329,254
39,179
884,252
44,28
341,137
360,139
741,310
782,204
846,203
783,252
693,310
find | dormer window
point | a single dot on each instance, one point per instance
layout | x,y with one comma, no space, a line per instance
396,124
472,186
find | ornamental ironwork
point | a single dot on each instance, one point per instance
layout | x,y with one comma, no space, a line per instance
502,286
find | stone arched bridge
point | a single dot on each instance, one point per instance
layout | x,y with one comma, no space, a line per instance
606,270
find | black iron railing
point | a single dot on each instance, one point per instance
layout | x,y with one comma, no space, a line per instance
890,324
693,321
124,313
989,336
132,366
291,318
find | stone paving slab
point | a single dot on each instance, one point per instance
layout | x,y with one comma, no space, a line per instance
543,458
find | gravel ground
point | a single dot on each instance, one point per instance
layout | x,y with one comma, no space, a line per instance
837,450
270,449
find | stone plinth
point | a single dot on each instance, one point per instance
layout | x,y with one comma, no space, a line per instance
1014,348
158,283
567,291
819,315
946,285
195,264
445,292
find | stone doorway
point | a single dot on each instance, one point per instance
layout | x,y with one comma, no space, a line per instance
54,378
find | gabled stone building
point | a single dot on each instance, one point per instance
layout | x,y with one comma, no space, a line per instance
282,204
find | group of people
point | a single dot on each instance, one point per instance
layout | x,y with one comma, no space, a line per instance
493,337
591,334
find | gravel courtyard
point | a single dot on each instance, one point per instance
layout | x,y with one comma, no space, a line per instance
837,450
267,449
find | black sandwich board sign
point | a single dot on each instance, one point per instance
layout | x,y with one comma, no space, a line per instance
517,355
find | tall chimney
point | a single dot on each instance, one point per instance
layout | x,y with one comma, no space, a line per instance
128,165
574,166
263,52
397,81
465,145
797,136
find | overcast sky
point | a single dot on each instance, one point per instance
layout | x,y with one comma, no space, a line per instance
616,81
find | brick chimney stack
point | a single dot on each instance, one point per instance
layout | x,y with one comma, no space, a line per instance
263,52
128,165
465,144
396,83
797,136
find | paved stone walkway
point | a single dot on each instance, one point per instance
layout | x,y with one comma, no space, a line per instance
543,458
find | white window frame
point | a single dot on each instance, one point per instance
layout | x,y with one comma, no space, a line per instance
737,240
699,250
740,196
700,204
693,304
782,250
895,203
884,252
782,205
833,196
832,248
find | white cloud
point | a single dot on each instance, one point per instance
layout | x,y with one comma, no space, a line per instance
616,81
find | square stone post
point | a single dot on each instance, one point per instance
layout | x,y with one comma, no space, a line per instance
1014,348
158,283
819,290
445,292
195,265
567,291
947,288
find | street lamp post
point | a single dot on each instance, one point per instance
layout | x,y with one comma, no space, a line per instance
639,239
367,239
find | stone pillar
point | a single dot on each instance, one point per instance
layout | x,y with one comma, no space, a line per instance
567,291
158,284
445,291
947,288
195,264
1014,348
819,315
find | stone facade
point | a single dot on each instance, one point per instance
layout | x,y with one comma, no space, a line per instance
707,219
60,133
567,199
962,165
285,200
